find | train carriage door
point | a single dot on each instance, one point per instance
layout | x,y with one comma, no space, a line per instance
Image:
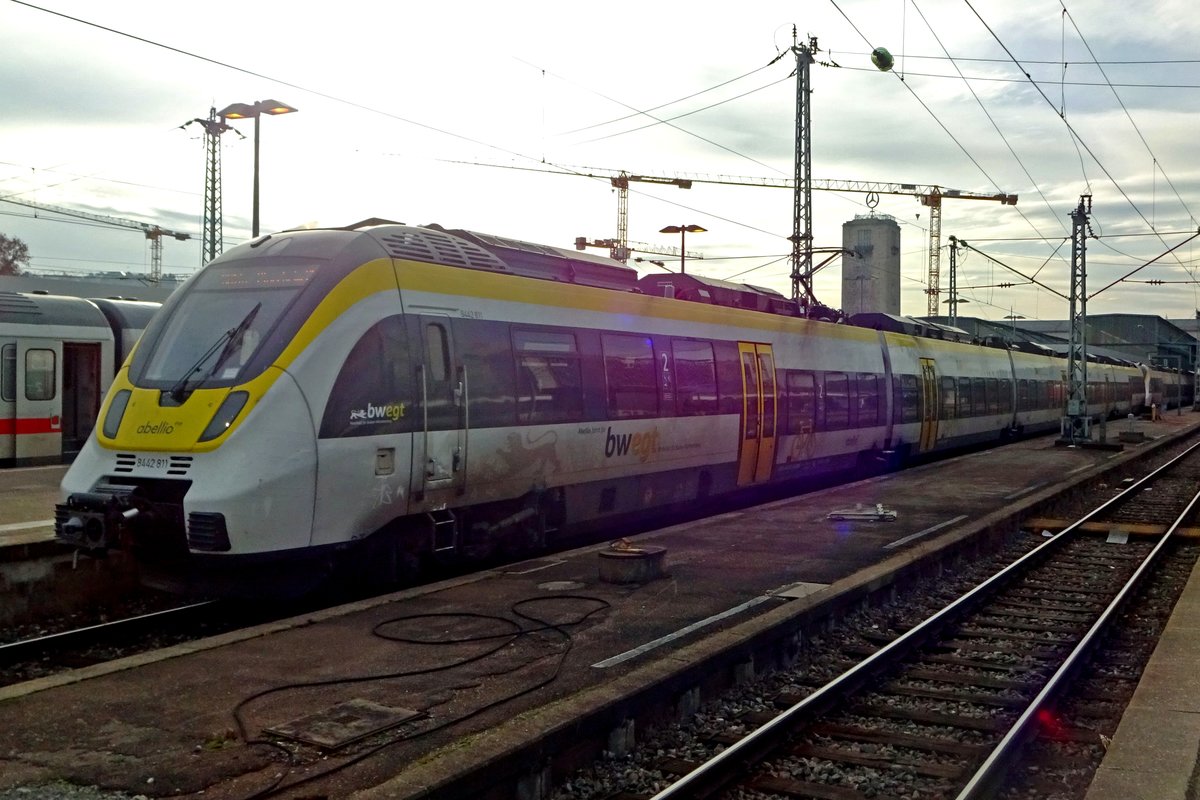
929,405
759,415
38,420
440,449
80,394
8,401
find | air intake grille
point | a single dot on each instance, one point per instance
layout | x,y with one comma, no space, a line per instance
179,465
206,531
439,248
174,465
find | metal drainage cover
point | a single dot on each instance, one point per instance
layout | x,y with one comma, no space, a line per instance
344,723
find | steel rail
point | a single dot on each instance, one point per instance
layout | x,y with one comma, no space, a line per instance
26,649
717,773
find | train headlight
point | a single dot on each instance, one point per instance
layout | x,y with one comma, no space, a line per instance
116,411
226,414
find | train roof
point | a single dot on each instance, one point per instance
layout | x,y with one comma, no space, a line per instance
484,251
48,309
127,314
909,325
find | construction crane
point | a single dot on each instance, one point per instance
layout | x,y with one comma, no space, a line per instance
154,233
930,196
622,251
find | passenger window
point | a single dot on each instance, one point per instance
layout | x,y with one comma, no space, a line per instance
964,397
949,409
1006,401
910,400
8,372
549,386
837,401
631,377
695,378
801,402
766,371
868,399
39,375
374,392
437,355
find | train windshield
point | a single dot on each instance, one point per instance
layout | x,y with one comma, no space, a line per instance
214,332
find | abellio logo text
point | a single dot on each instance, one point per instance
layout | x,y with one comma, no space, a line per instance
642,444
158,428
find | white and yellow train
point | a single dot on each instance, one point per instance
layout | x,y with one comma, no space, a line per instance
357,399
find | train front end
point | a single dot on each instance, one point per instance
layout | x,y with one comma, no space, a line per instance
203,464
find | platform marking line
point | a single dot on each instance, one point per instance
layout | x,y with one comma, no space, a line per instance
1026,490
1080,469
670,637
928,530
21,526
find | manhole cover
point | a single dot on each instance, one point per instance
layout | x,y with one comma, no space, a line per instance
344,723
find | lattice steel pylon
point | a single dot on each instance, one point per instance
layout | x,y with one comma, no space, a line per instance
213,241
1076,425
801,238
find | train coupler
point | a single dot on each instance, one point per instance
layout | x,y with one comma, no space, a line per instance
96,521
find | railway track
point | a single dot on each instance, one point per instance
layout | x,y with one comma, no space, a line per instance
72,648
945,708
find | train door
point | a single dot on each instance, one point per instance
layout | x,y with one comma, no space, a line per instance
929,404
8,401
37,394
757,454
440,448
80,394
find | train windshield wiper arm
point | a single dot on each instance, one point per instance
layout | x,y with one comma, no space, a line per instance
230,340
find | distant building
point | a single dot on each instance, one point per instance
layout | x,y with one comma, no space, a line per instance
1139,338
871,279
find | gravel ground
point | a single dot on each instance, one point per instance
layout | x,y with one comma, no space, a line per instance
1063,767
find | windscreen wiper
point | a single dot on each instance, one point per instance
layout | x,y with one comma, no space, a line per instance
228,342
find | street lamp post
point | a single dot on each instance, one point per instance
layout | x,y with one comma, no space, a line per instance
1014,318
683,231
255,110
954,302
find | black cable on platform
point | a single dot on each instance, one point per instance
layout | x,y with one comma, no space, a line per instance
503,640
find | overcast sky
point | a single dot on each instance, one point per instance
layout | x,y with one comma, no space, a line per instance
391,95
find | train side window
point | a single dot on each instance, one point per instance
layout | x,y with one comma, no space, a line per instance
1023,395
549,383
868,399
979,396
695,378
801,402
949,395
837,401
766,372
437,352
631,377
374,391
910,399
993,395
965,407
8,372
1006,400
39,375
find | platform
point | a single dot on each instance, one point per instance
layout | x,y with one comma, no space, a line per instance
172,716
